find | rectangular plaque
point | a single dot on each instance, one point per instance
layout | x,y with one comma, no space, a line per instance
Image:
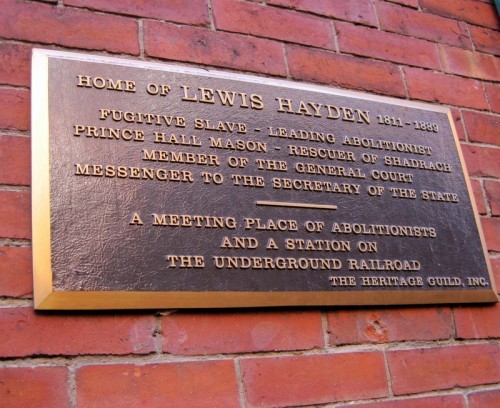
163,186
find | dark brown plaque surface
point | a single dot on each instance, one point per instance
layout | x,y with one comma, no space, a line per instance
162,186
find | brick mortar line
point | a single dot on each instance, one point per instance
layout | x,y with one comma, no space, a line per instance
8,303
324,329
335,37
15,188
15,242
480,144
489,212
140,38
165,358
285,60
14,87
15,133
405,82
388,375
241,385
211,17
72,386
487,113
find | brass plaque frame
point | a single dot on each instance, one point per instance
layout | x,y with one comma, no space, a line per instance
51,296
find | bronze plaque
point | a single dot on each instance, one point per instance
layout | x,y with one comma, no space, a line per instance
163,186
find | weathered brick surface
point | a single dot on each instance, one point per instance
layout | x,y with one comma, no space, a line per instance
492,189
468,63
485,40
67,27
26,333
482,127
361,11
39,387
14,109
475,12
441,401
194,44
316,379
491,230
271,22
386,46
477,322
15,64
484,399
15,160
179,11
15,214
16,276
415,23
352,72
213,333
389,324
437,87
482,161
191,385
444,367
479,197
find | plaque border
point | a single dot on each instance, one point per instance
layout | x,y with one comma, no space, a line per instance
46,298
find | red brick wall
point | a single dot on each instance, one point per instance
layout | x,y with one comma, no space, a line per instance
439,51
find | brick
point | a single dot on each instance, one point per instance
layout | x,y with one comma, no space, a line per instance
459,126
16,277
474,12
271,22
15,64
15,160
386,46
208,47
344,70
68,27
482,161
493,195
361,11
482,127
485,40
484,399
441,401
214,333
440,368
316,379
178,11
469,64
15,214
438,87
193,384
25,333
38,387
415,23
491,230
384,325
479,197
493,94
14,109
477,322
